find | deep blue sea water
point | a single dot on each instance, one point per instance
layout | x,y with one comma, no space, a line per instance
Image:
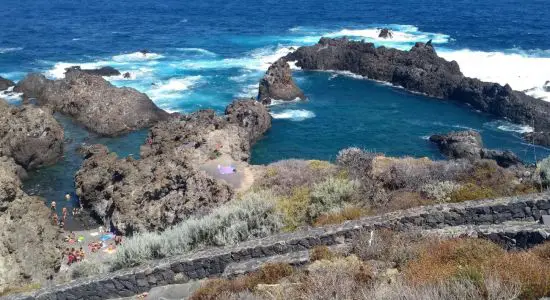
206,53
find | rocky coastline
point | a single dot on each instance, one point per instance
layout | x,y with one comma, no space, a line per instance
166,185
278,84
421,70
93,102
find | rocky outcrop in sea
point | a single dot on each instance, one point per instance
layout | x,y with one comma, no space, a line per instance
30,135
94,102
103,71
5,83
30,246
166,185
469,145
421,70
278,84
385,33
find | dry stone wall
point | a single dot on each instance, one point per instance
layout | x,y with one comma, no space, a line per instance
213,262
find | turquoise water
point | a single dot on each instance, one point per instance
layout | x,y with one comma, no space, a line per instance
206,53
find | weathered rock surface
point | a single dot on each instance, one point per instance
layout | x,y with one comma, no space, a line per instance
385,33
422,70
30,248
94,102
461,144
5,83
166,185
103,71
468,145
30,135
278,84
250,115
546,86
147,194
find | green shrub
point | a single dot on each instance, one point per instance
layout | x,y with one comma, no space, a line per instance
254,215
294,208
543,168
439,191
346,214
88,267
330,195
471,191
284,177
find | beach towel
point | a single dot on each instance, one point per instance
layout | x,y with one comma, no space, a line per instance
80,239
226,169
107,237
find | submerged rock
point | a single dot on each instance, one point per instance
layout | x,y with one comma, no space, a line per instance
30,246
103,71
278,84
94,102
5,83
421,70
166,185
468,145
30,135
385,33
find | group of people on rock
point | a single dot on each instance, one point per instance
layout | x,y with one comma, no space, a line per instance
56,220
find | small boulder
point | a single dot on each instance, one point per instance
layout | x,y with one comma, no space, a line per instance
385,33
546,86
278,84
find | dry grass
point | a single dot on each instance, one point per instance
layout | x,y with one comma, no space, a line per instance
21,289
388,246
320,252
477,259
346,214
216,288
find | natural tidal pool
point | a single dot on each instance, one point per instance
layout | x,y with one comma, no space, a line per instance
341,111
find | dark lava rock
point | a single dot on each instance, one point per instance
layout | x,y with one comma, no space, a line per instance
94,102
546,86
166,185
251,115
103,71
461,144
504,159
468,145
5,83
30,246
422,70
278,84
30,135
385,33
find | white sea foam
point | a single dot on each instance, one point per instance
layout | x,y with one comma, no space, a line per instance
12,49
173,87
510,127
136,56
410,36
293,114
197,50
520,71
58,70
10,96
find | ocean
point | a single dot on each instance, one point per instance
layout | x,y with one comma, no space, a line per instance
204,54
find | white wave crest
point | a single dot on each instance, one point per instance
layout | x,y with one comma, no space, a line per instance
172,88
58,70
197,50
12,49
398,36
293,114
509,127
136,56
521,71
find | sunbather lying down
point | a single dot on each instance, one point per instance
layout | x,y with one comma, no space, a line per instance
226,169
